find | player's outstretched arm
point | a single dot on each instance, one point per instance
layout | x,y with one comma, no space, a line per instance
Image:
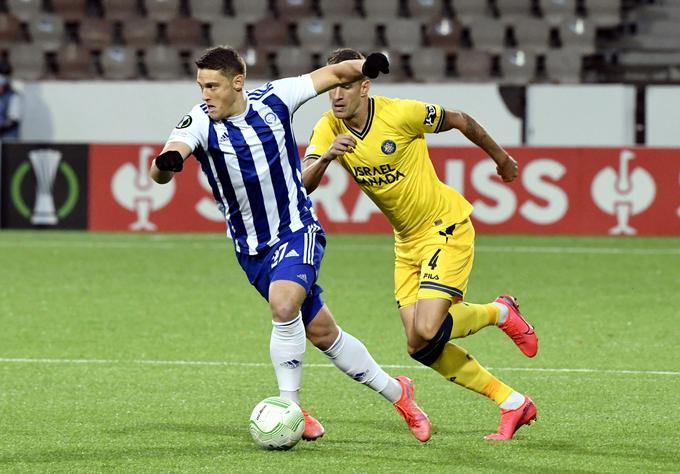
169,162
346,72
314,166
506,166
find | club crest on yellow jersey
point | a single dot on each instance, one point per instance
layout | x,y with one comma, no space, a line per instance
388,147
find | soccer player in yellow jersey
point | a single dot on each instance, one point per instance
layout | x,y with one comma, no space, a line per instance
381,143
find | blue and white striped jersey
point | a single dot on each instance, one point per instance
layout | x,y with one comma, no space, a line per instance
252,164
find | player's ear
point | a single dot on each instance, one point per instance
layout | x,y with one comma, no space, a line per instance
365,86
238,82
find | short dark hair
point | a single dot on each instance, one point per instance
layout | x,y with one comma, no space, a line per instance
343,54
222,58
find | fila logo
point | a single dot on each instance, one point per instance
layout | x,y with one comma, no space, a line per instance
292,253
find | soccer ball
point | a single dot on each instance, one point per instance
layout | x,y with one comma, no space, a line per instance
276,423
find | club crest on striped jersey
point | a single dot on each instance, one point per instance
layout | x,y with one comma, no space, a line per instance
185,122
270,118
388,147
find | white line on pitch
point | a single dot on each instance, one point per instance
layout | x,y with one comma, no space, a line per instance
264,364
209,244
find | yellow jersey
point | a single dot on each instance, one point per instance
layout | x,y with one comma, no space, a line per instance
392,166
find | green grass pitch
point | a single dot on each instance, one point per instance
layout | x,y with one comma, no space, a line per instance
146,353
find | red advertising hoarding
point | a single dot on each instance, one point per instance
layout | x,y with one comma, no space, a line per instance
596,191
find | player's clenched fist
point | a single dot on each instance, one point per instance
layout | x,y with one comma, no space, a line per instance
508,169
375,64
341,145
170,161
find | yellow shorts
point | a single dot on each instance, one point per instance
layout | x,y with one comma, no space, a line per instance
436,264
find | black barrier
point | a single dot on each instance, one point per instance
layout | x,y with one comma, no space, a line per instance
44,186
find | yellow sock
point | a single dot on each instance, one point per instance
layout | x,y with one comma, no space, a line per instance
469,318
457,366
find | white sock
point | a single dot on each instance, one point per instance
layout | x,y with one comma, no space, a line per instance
513,402
504,313
350,355
287,351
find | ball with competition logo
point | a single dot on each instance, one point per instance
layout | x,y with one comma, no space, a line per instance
276,423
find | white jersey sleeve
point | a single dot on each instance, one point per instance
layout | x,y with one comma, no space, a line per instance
192,129
294,91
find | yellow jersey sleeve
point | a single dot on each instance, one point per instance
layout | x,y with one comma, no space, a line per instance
417,118
321,139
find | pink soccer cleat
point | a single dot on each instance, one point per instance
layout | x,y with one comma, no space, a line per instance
520,331
417,419
313,429
512,420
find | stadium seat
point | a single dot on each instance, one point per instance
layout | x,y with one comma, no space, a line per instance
120,10
381,11
118,63
488,34
337,10
429,65
293,61
578,34
25,10
257,63
403,35
74,62
532,34
424,10
473,65
444,33
10,30
315,34
359,34
139,32
185,33
207,12
512,10
270,35
228,31
558,11
604,13
96,33
163,63
563,66
250,11
295,9
47,31
162,10
517,66
70,10
469,11
28,62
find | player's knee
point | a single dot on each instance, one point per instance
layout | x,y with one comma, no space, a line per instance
428,354
283,310
426,327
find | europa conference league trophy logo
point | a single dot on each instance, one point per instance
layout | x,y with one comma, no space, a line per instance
45,163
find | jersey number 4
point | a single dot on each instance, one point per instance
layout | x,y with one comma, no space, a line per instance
433,261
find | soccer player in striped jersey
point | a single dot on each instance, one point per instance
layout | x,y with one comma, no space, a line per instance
245,145
381,143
